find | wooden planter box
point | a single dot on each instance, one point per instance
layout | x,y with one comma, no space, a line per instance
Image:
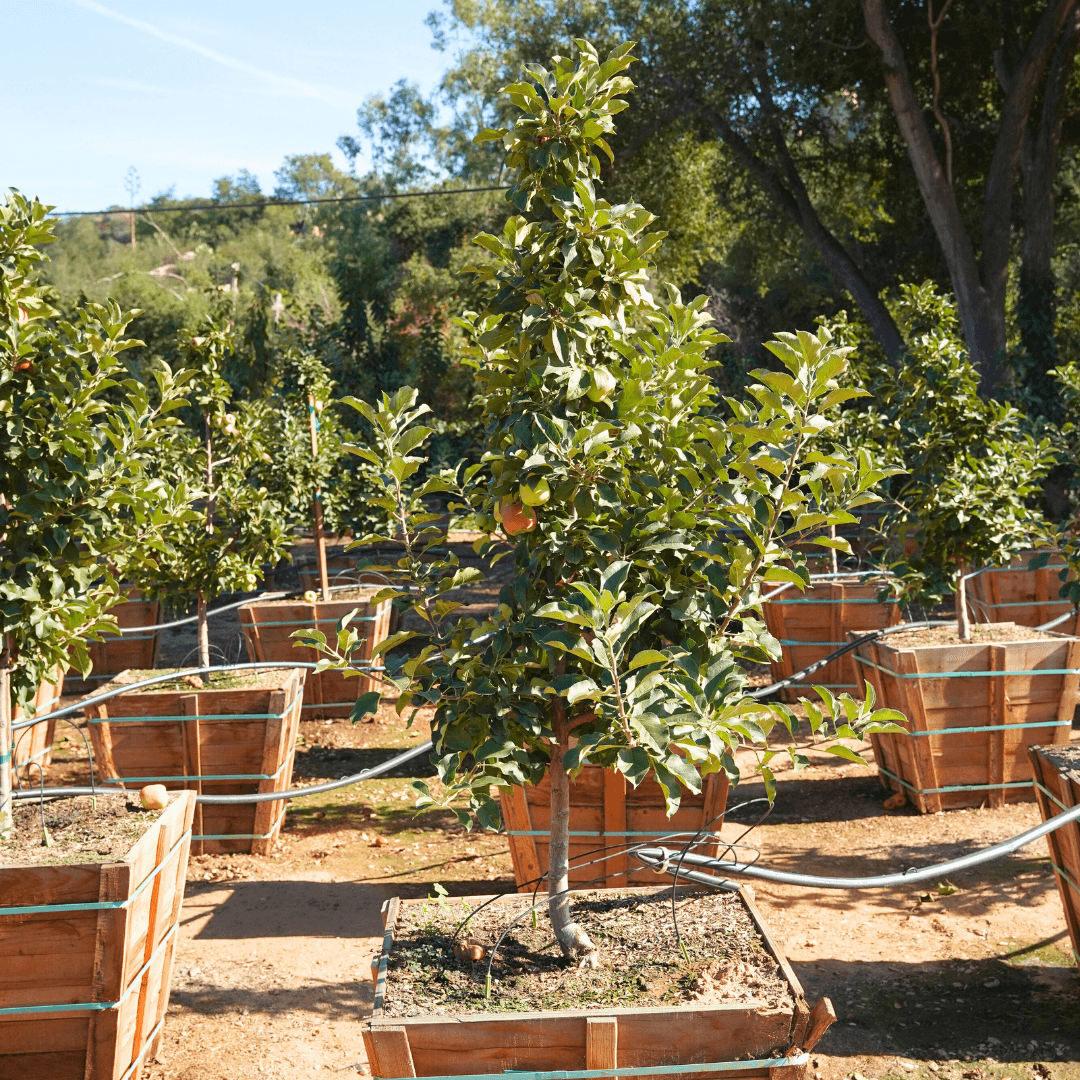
113,951
268,626
1057,788
1016,594
597,1039
968,730
605,810
123,652
811,624
34,744
233,741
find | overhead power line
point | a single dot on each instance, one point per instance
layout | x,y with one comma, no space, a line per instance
281,202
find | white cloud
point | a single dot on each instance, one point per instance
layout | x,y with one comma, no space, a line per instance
296,87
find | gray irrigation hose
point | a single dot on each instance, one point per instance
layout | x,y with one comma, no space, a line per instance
195,618
660,859
267,796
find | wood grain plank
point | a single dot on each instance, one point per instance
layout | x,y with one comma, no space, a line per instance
192,736
602,1043
515,812
272,755
616,864
391,1056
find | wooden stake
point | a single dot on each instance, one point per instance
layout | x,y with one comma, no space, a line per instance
963,627
7,819
316,506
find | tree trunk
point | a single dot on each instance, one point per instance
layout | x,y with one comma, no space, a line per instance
204,632
980,285
792,198
1037,305
963,626
573,941
7,819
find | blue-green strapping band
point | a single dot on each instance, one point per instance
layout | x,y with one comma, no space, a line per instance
1022,569
147,1043
1051,796
989,727
5,757
807,644
640,1070
98,905
853,600
201,776
193,716
963,674
1067,876
95,1006
243,836
584,832
1063,604
954,787
308,622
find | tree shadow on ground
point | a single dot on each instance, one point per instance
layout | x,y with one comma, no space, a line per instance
1009,1008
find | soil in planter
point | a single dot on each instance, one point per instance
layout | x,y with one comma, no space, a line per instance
642,965
83,829
357,592
216,680
1064,757
981,634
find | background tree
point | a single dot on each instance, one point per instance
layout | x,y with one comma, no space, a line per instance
77,501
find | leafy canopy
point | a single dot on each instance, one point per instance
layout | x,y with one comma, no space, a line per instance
660,511
79,505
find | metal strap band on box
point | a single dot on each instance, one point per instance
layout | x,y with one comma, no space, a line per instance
193,716
1067,876
96,1006
953,787
98,905
244,836
147,1043
259,624
990,727
190,779
963,674
641,1070
1051,796
852,600
594,832
1022,603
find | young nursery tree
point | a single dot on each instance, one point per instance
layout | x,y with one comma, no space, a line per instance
239,526
76,498
971,472
645,515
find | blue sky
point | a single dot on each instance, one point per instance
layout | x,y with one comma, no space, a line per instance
189,90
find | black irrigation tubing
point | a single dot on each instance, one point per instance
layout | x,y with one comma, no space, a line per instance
365,774
658,858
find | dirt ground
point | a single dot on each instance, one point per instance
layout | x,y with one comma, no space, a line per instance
970,981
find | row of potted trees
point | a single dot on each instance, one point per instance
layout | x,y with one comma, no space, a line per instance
646,520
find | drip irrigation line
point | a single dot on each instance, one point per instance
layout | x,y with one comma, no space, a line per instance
168,676
657,858
195,618
260,203
800,676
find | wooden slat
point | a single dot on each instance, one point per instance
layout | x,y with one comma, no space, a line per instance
616,865
999,716
822,1017
271,759
390,1053
515,812
922,755
602,1043
192,736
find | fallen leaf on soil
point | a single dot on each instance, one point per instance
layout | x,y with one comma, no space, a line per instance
895,802
194,680
380,841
